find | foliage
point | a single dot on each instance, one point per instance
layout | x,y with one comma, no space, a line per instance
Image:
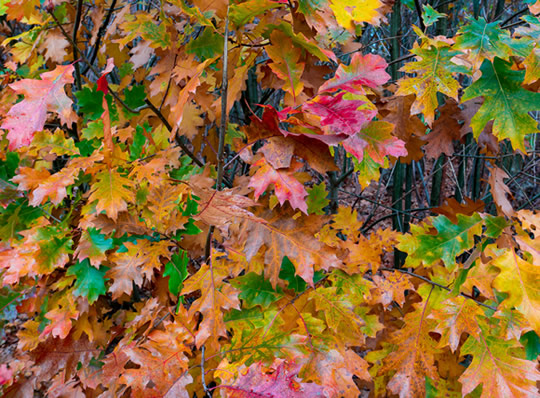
170,218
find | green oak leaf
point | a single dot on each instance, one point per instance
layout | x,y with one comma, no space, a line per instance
95,246
90,282
93,130
176,270
296,283
16,217
531,343
135,96
505,102
494,225
207,45
255,290
430,15
450,241
136,147
484,40
90,102
243,13
316,199
9,165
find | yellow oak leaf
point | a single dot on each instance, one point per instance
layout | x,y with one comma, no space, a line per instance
112,192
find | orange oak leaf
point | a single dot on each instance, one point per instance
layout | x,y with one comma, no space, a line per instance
282,236
408,128
278,152
499,190
391,287
47,94
54,187
177,111
457,315
124,223
500,373
414,355
221,208
29,178
56,356
216,296
335,369
138,261
446,129
286,62
156,373
451,208
60,322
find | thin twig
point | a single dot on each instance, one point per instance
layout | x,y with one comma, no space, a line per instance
516,14
168,126
222,128
101,33
205,387
78,81
403,271
404,58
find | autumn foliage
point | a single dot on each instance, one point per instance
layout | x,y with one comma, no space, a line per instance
171,222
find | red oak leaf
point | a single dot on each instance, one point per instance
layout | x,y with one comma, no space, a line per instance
364,70
340,115
286,186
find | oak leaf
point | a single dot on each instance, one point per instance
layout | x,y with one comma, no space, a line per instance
391,287
29,115
414,354
434,69
280,379
506,102
364,71
284,236
220,208
216,296
446,129
450,240
286,186
376,141
500,373
407,127
499,190
348,12
286,63
519,279
456,316
484,40
335,369
112,191
93,246
339,114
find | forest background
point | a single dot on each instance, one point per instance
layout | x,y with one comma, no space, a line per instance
269,198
